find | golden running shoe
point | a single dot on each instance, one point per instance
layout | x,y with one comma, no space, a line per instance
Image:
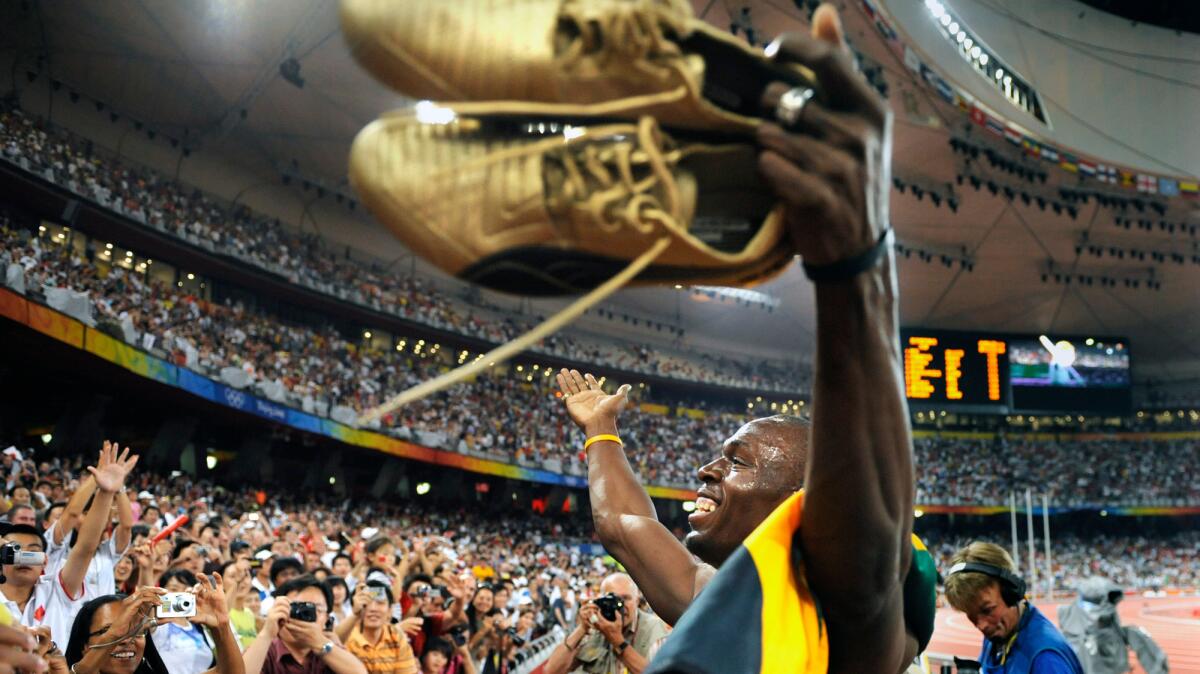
548,206
680,70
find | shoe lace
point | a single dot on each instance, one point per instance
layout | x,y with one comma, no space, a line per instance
627,33
619,184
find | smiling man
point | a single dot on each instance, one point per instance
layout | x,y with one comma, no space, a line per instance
826,595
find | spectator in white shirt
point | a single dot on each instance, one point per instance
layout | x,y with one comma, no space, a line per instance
37,598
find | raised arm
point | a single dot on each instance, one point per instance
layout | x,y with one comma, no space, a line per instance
109,474
621,509
833,178
73,511
124,530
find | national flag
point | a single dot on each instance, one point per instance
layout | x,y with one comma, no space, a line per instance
1068,162
1087,168
1050,154
944,89
1127,179
761,588
1168,187
1106,174
1031,146
1189,188
962,103
1012,135
978,116
995,126
1147,183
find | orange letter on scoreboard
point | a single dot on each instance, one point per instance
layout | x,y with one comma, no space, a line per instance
992,349
916,370
953,373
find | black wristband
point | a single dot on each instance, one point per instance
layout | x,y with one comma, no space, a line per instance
621,647
849,268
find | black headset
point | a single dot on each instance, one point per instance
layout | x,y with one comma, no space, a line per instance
1012,586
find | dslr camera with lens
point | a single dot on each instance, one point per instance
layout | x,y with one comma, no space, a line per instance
12,555
177,605
610,605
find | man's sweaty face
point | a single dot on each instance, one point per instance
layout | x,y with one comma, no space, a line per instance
759,467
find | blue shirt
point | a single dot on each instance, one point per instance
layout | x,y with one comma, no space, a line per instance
1039,648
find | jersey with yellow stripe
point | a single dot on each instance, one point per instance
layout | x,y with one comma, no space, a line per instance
757,615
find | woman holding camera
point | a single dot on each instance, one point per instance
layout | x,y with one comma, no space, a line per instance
109,635
181,642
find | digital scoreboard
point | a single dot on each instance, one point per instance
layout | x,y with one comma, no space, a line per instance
955,369
982,372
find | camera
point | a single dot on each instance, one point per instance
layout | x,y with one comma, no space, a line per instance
377,593
177,605
610,605
962,666
12,555
304,611
458,635
512,634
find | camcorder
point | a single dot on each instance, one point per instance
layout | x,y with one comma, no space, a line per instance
610,605
11,554
176,605
304,611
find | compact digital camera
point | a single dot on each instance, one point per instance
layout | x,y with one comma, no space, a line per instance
177,605
610,605
304,611
12,555
458,634
377,593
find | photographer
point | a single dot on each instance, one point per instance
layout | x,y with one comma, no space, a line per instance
613,635
109,634
292,640
36,598
370,635
1018,638
180,641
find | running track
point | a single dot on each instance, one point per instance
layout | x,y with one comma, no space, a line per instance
1174,622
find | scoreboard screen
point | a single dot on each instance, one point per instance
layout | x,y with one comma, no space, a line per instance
963,370
982,372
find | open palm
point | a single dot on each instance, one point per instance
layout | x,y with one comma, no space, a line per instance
112,469
587,403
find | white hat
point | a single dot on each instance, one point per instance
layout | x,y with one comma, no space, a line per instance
14,453
145,495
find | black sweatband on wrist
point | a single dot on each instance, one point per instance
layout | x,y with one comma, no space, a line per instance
843,270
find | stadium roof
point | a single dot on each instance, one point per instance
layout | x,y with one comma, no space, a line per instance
208,73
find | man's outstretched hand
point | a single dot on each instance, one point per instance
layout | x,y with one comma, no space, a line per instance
590,407
111,470
832,171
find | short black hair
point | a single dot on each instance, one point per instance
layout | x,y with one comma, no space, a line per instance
301,583
342,555
283,564
180,546
440,645
417,577
8,529
182,575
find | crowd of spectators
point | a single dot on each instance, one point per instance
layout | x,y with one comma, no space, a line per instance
305,259
511,415
958,471
397,587
1145,563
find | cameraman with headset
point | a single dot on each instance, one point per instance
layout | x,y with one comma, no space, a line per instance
614,636
1018,638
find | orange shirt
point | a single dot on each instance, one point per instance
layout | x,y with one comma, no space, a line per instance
392,655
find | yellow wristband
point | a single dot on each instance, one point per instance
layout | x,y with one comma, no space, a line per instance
600,438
